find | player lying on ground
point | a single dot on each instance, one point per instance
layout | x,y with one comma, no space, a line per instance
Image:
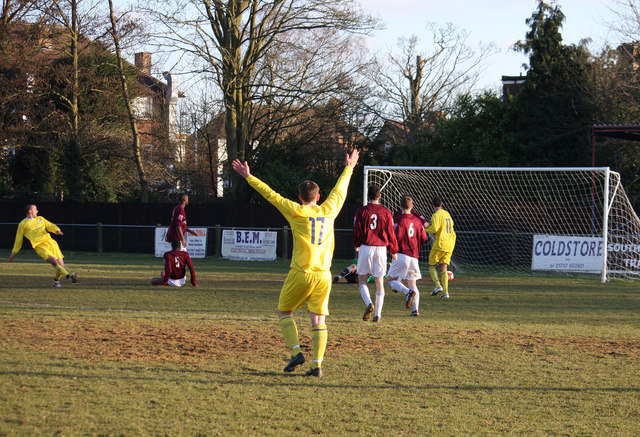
350,275
37,229
175,263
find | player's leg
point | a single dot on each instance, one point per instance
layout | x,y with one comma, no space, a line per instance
291,298
444,279
412,276
379,270
53,250
72,276
344,272
379,298
396,285
318,307
319,335
363,269
289,331
47,253
397,271
415,304
158,281
59,268
352,278
433,272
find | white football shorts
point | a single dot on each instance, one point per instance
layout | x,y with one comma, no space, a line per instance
372,260
177,282
405,268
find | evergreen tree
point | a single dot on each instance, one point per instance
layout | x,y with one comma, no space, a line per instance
555,113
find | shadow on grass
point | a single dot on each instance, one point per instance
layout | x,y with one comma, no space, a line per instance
283,379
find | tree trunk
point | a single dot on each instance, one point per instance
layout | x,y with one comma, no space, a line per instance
135,144
74,158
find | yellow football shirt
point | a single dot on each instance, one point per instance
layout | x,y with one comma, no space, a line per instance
36,230
442,226
312,226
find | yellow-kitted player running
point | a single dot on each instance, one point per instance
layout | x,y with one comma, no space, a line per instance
37,230
309,280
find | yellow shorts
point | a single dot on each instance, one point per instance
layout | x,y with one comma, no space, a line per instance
301,287
49,248
439,257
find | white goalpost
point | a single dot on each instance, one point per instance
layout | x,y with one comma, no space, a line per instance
525,220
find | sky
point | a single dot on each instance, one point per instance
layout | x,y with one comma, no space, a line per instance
501,22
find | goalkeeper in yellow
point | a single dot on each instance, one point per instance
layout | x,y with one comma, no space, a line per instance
37,229
309,278
442,226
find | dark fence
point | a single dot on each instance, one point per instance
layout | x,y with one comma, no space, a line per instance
130,227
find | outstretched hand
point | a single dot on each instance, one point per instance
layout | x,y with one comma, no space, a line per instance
352,160
241,168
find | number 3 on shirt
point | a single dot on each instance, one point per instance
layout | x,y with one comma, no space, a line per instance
313,221
374,221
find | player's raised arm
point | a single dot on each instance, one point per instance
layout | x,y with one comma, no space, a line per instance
241,168
352,159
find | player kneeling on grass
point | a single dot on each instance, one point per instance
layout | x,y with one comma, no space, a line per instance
175,263
411,236
37,229
309,280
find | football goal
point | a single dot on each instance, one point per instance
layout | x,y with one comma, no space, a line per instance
525,220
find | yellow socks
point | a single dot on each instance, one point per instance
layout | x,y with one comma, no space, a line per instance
290,334
319,344
318,339
433,272
60,272
444,278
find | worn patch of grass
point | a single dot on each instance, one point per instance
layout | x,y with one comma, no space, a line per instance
113,355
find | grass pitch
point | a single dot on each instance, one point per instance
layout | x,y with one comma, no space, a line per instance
113,355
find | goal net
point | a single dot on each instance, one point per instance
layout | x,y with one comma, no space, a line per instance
525,220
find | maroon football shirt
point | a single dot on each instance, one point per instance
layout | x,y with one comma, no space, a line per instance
178,220
373,226
411,235
175,264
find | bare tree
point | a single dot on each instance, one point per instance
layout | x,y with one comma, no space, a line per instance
18,10
135,143
231,39
626,27
73,23
419,84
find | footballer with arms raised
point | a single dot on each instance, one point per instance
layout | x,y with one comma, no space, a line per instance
372,233
178,226
176,262
37,230
411,236
309,278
